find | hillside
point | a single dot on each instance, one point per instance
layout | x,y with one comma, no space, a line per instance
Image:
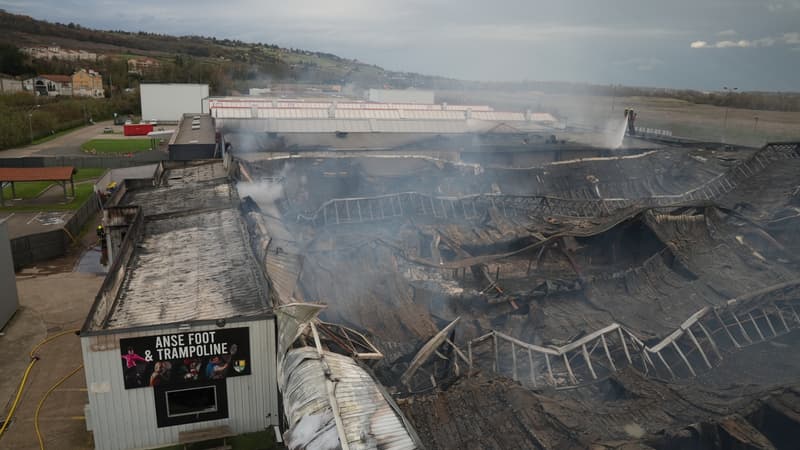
228,65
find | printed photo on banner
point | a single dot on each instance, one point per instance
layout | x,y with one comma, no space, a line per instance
185,357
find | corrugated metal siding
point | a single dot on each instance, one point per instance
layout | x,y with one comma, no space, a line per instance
126,419
362,407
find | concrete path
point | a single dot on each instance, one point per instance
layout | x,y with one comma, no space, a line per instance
48,305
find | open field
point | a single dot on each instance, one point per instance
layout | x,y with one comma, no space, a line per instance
116,145
684,119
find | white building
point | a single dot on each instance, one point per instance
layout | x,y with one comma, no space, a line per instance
49,85
180,341
168,102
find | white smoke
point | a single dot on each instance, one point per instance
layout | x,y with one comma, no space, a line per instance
263,192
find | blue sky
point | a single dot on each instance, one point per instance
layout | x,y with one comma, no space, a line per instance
701,44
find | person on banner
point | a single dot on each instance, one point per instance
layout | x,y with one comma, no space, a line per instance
133,370
216,368
161,373
190,370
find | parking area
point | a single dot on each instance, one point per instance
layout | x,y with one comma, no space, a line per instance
27,223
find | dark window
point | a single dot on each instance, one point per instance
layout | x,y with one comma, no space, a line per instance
190,401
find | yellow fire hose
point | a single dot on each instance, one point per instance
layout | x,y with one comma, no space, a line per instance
34,359
41,402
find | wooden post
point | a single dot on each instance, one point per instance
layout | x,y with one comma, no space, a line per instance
64,187
13,190
72,185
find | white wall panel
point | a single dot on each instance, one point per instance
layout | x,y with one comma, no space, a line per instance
167,102
126,419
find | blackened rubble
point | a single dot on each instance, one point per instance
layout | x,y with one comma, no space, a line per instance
646,286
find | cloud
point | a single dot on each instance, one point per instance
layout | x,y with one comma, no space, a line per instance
727,33
792,38
780,6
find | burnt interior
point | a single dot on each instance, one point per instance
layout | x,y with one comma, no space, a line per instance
399,246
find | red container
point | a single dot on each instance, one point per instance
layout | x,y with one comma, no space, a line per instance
137,130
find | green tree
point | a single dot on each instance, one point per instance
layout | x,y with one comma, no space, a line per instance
12,61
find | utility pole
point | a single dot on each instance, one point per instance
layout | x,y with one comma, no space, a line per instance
30,121
727,104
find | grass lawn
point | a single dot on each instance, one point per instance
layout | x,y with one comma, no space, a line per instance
89,173
116,145
32,189
28,189
82,192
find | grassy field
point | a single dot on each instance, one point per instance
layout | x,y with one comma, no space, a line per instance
82,192
26,190
700,122
116,145
89,173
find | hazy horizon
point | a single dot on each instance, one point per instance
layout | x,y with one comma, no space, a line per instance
702,44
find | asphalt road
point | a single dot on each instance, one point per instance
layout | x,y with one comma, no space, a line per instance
68,144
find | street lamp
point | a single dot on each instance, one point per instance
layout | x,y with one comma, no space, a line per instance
727,104
30,120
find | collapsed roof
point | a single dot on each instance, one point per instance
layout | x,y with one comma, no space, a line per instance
606,276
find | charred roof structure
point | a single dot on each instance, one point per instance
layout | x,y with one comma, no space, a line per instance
546,294
179,345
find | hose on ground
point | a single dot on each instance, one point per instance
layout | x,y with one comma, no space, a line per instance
41,402
34,359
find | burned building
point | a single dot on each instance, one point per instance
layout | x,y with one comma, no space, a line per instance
180,342
592,298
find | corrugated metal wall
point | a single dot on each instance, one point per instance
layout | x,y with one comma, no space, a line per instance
126,419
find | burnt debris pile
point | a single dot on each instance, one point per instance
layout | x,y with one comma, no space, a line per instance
573,303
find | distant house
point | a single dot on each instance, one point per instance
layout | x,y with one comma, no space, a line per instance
142,66
56,52
49,85
87,83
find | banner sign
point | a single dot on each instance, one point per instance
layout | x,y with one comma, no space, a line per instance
185,357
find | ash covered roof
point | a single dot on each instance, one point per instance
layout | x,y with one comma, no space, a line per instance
191,259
